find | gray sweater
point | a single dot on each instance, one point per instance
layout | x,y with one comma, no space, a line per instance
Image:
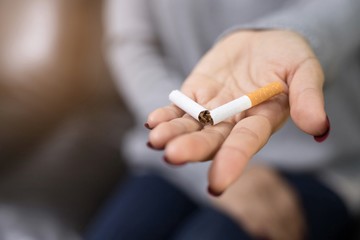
152,45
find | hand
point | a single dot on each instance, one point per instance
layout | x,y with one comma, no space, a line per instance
239,64
264,205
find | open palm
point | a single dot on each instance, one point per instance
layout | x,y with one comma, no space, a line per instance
239,64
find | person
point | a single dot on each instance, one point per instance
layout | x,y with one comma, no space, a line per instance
294,187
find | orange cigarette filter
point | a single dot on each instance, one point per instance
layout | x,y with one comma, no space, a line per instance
262,94
242,103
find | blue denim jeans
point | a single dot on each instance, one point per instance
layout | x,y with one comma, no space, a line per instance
148,207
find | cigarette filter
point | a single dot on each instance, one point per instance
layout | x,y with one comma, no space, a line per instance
227,110
243,103
187,104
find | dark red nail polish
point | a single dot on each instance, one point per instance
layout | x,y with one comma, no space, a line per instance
152,147
166,160
147,126
321,138
171,163
214,193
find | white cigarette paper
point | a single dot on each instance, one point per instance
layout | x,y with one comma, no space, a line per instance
245,102
227,110
186,104
230,109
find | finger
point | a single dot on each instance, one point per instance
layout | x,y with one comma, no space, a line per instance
166,131
247,137
197,146
307,99
163,114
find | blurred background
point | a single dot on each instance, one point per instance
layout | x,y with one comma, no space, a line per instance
61,120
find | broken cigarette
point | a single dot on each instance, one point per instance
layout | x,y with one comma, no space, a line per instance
187,104
245,102
227,110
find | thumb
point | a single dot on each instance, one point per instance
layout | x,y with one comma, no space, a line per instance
307,100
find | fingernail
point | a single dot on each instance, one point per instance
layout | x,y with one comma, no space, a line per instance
171,163
214,193
321,138
152,147
147,126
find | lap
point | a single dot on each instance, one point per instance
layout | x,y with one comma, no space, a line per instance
149,207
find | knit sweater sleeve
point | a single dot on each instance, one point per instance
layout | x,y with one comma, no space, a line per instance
134,56
330,26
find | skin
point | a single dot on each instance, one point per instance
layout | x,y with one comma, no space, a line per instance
264,205
239,64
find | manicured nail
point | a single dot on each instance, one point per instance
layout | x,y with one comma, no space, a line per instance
152,146
214,193
147,126
171,163
321,138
